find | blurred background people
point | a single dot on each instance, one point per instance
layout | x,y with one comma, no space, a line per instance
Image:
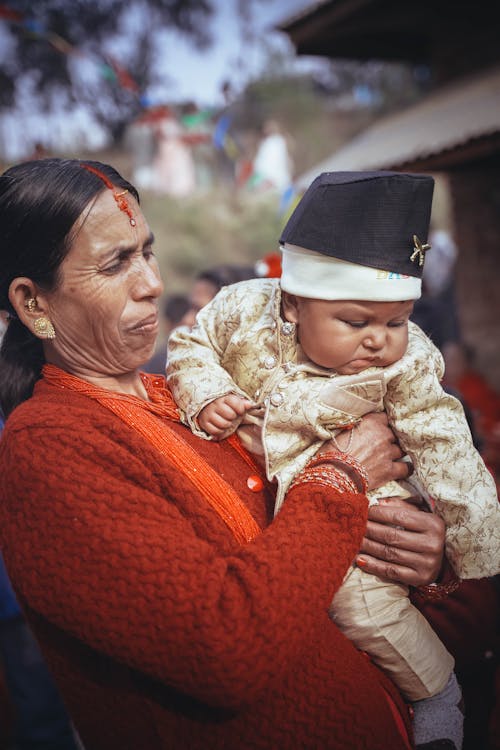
208,282
173,167
175,307
140,142
479,398
272,166
436,310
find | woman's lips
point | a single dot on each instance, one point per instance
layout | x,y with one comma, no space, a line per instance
146,325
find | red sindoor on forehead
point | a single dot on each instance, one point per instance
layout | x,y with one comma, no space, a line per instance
120,199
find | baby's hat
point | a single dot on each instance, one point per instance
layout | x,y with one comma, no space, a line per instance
358,235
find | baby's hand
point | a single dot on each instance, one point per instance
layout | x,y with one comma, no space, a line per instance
222,414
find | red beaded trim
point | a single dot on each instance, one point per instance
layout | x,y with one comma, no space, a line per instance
146,418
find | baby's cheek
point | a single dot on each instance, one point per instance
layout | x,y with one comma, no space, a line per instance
402,344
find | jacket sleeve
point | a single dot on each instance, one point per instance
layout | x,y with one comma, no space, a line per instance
194,370
95,545
432,428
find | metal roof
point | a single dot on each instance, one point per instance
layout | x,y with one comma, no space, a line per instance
305,12
448,118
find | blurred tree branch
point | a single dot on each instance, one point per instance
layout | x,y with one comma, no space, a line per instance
48,41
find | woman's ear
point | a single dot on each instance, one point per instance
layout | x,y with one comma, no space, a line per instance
31,308
290,305
27,303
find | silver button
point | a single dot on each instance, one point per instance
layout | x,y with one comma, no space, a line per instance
270,362
277,399
287,328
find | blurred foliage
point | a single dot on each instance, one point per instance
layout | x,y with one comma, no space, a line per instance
318,113
304,112
210,229
321,111
48,36
322,108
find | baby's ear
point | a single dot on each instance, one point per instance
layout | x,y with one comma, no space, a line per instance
289,304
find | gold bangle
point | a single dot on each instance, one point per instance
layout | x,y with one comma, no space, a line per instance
344,459
321,470
327,477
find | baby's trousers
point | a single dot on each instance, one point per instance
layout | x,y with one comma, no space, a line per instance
379,618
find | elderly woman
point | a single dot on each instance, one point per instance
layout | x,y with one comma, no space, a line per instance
172,610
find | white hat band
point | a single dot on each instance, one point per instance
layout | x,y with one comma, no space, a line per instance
310,274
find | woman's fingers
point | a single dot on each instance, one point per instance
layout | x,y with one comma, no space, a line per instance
374,446
402,543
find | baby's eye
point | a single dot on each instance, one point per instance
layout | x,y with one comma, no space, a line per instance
397,323
355,323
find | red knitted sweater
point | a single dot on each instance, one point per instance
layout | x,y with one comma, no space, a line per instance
161,630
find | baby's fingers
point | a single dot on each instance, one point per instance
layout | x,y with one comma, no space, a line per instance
237,404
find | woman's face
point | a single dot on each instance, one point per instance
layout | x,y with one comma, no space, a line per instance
105,309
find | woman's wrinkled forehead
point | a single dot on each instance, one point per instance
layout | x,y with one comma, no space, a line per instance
102,222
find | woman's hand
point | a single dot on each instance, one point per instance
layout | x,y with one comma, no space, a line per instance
374,446
402,543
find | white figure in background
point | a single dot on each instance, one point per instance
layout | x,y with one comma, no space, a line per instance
174,169
273,166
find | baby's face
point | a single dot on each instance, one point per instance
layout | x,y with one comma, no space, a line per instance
349,336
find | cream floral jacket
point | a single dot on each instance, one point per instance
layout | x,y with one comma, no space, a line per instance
241,345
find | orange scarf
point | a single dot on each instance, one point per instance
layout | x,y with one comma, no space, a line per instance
148,419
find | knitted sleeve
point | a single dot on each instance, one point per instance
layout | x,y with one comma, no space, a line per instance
107,541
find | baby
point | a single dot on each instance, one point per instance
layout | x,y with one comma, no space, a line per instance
289,363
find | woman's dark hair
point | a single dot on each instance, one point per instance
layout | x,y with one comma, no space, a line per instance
40,202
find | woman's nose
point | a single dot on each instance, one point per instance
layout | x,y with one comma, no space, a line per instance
148,281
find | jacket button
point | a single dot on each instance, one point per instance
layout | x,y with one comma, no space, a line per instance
270,362
255,483
277,399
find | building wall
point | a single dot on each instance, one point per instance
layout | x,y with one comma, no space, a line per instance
475,195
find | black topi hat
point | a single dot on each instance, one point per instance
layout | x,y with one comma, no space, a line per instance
378,220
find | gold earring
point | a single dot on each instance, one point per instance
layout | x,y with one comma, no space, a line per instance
44,328
30,304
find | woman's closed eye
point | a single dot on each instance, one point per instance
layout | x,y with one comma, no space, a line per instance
125,256
117,263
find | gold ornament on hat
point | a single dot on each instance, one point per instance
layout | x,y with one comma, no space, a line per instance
419,251
44,328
